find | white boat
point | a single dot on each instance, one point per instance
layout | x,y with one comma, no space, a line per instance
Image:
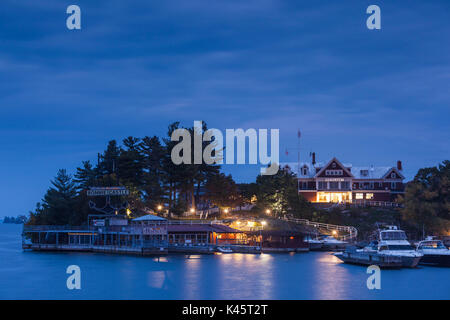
434,253
393,242
331,243
391,250
225,249
314,243
325,243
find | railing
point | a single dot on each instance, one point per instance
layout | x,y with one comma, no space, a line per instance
192,222
368,203
352,231
30,228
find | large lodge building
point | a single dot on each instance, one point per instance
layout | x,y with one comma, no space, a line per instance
342,183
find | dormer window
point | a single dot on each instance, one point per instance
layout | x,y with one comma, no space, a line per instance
364,173
333,165
393,175
304,170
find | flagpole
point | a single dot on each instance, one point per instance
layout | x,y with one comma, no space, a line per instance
298,165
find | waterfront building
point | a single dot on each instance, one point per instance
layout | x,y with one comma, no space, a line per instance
279,240
115,234
334,181
204,234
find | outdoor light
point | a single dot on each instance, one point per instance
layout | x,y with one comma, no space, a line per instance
225,210
263,222
192,210
268,211
128,212
159,207
334,232
238,222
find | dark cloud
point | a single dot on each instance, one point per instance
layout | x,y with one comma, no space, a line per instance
364,96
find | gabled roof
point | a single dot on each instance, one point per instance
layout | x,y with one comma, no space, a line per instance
149,217
338,162
396,171
293,166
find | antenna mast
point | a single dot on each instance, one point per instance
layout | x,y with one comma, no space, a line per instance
298,165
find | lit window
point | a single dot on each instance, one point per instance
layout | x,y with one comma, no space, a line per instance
369,196
359,196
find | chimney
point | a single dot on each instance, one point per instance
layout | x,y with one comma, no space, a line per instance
313,158
399,165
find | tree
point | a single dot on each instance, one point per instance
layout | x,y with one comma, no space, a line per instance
427,198
85,176
130,163
222,191
279,194
108,160
58,205
153,184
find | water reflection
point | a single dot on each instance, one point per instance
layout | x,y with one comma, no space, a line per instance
313,275
330,278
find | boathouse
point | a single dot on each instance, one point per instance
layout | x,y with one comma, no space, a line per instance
278,240
204,234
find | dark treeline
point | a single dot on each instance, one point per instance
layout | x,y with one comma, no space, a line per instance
144,166
17,220
427,199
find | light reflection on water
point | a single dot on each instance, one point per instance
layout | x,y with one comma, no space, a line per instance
314,275
330,278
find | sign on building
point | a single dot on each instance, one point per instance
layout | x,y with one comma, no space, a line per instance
107,191
99,223
118,222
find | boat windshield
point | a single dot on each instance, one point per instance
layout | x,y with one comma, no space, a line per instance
432,245
397,247
393,235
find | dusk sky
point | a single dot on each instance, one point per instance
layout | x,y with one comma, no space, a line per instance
364,96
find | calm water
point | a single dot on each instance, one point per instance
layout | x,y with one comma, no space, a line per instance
34,275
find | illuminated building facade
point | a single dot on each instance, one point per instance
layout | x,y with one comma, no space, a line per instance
338,182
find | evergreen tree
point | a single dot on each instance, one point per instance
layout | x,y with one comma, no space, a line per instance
131,162
153,184
222,191
58,205
108,160
85,176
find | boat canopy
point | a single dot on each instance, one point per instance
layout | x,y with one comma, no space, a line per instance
149,217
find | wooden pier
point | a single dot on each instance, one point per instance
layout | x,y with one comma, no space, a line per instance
140,239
